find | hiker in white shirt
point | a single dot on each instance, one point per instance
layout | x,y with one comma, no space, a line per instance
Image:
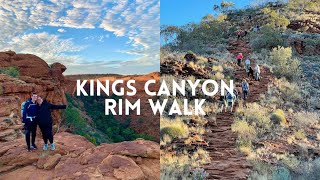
257,72
247,62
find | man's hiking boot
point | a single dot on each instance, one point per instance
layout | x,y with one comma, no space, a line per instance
45,147
34,147
53,147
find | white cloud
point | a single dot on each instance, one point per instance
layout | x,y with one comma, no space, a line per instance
61,30
138,20
46,46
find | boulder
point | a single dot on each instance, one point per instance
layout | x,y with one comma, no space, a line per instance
52,161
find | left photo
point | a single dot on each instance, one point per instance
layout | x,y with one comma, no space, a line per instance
73,101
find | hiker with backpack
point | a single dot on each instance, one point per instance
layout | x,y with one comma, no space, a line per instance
245,89
239,58
230,101
257,72
222,103
45,121
247,63
29,111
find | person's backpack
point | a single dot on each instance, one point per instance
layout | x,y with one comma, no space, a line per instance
22,107
245,86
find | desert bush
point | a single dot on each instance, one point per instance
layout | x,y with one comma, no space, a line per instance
256,115
174,128
281,173
267,38
174,167
217,68
11,71
200,157
306,119
244,130
166,139
289,91
291,162
309,170
284,64
301,5
299,135
200,38
173,131
199,174
278,117
218,76
180,166
275,19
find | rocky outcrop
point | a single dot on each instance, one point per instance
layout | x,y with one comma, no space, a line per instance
35,75
76,158
184,69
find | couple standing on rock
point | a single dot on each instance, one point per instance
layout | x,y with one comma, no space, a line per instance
36,111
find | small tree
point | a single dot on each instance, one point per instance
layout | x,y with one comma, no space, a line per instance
224,6
285,65
275,18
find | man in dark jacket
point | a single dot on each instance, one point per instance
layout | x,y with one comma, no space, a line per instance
29,113
45,121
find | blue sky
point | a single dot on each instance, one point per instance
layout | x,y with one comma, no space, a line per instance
180,12
87,36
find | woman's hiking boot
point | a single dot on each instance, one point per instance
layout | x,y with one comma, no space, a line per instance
45,147
53,147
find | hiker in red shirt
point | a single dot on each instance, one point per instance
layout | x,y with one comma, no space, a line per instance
239,58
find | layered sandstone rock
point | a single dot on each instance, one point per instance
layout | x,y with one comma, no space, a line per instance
35,75
76,158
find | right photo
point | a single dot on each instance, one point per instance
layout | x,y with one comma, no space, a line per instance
242,78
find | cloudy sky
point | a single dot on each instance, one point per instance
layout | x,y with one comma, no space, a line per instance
88,36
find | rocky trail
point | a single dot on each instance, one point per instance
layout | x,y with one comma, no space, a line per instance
226,160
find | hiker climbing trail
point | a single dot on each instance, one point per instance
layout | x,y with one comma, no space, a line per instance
227,162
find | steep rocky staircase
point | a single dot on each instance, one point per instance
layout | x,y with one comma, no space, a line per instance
226,160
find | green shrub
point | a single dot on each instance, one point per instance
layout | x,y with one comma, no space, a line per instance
300,135
244,130
199,174
255,115
173,131
11,71
267,38
284,64
278,117
217,68
281,173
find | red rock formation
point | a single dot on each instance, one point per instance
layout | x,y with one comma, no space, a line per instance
76,158
35,76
